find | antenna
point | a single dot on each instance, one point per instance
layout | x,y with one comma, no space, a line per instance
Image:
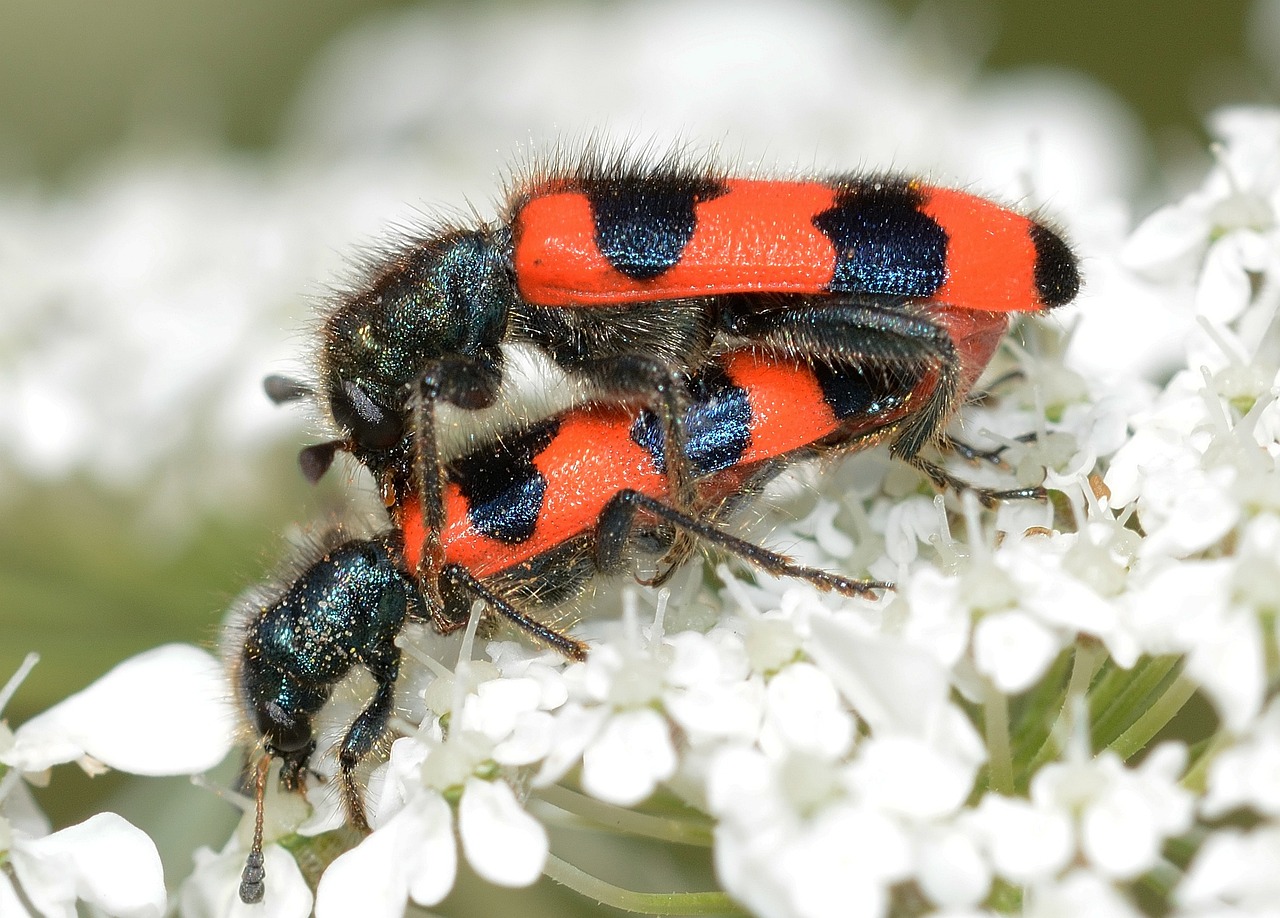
253,877
281,389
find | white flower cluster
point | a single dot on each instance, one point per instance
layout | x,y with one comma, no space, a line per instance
987,740
967,746
122,721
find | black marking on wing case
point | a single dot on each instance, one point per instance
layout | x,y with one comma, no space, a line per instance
503,488
643,225
1056,274
717,424
884,244
863,390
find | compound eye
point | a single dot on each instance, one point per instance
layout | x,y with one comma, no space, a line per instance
370,425
285,733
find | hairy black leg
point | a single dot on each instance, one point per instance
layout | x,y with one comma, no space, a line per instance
887,333
977,397
664,393
462,579
618,518
988,497
429,472
468,383
970,453
363,734
635,352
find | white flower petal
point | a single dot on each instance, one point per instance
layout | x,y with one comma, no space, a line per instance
1013,649
952,872
287,894
1229,662
1248,774
498,703
631,755
104,861
1118,834
162,712
890,684
435,852
1238,868
1175,233
1026,843
575,727
740,781
1225,288
804,713
936,618
745,874
413,856
844,863
369,880
529,740
910,777
1080,893
23,814
504,844
716,711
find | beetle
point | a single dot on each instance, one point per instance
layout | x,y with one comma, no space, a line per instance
532,518
629,275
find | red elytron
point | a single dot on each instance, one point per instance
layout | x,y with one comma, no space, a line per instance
753,236
750,415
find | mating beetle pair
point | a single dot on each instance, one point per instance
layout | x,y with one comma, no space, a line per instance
726,328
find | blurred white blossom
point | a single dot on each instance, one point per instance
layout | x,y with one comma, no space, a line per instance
105,861
982,741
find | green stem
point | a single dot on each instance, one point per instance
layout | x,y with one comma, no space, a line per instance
1087,674
1032,718
1107,682
701,903
1135,695
1135,739
677,831
1161,881
1089,659
1197,777
995,709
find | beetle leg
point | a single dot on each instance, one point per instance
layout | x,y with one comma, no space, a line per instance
619,516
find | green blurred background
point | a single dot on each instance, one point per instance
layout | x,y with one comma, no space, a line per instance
79,78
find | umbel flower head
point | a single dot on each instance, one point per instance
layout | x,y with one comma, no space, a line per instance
980,741
104,861
1067,707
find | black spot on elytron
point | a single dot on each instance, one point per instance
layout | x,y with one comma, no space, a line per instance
864,390
643,224
504,490
884,244
1057,276
717,424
